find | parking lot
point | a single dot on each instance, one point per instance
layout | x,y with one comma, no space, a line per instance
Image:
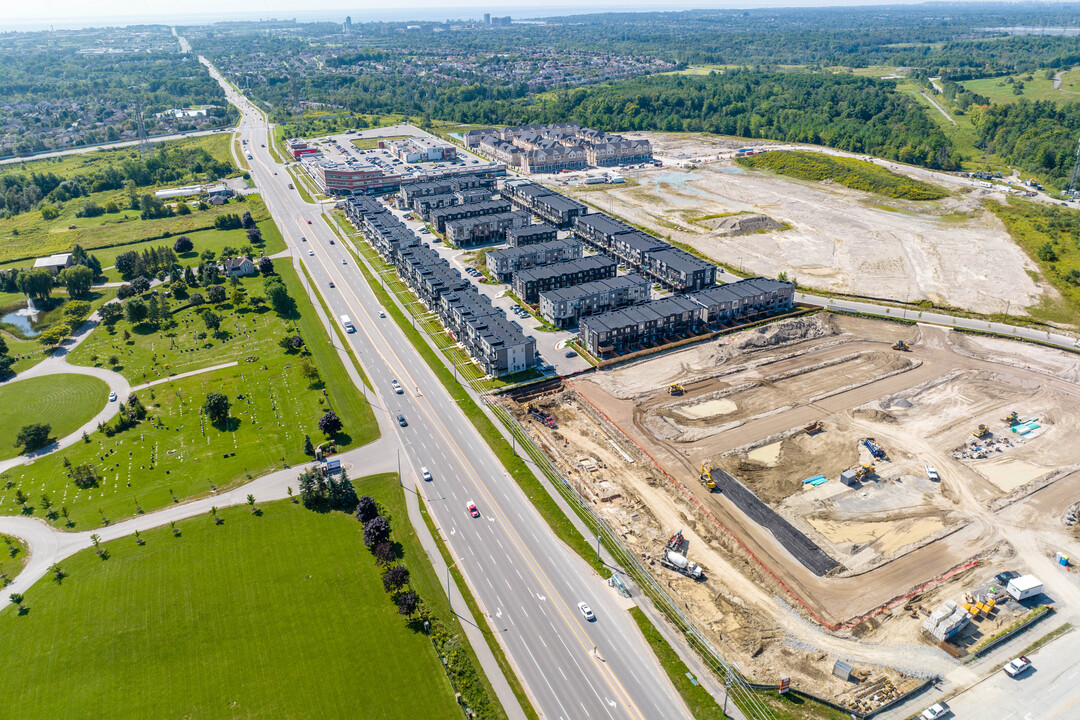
351,149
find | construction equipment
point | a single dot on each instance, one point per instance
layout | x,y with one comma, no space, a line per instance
876,450
865,471
679,563
677,543
541,416
1013,418
981,431
813,428
901,345
706,477
675,389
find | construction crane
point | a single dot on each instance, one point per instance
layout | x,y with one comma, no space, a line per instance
706,477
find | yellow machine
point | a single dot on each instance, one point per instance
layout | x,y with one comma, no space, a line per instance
1013,418
981,431
706,477
675,389
864,472
901,345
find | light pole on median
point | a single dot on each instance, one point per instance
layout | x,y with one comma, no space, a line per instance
449,605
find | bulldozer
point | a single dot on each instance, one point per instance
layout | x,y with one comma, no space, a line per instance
981,431
675,389
1013,418
865,471
706,477
901,345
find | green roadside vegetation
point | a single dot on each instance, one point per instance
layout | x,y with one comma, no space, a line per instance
13,558
277,398
1013,626
300,185
1048,638
272,615
474,609
697,698
63,402
339,332
240,157
373,142
276,145
515,466
849,172
1050,235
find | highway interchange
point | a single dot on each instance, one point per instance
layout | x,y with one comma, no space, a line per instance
527,582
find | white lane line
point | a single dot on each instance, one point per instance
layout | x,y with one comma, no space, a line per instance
546,682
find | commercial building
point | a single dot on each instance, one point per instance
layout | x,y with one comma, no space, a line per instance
528,284
344,179
421,149
298,148
565,307
440,216
505,262
531,234
659,320
484,228
548,205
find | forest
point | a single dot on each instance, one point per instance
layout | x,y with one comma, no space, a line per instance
1039,137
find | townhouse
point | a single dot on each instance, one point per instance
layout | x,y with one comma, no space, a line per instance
564,307
528,284
531,234
503,263
548,205
440,216
482,229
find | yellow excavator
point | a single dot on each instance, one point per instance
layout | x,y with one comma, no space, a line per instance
675,389
981,431
706,477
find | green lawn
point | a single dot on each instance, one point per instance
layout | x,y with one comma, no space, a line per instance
63,401
1038,88
849,172
373,142
177,452
277,616
13,557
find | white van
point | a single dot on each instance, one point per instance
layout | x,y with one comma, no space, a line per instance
347,324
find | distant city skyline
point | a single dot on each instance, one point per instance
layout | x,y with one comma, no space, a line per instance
66,14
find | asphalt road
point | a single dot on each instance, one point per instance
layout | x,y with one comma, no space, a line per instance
525,579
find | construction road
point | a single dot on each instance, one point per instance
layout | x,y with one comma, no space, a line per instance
527,582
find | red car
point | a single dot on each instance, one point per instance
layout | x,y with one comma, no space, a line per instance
308,222
472,509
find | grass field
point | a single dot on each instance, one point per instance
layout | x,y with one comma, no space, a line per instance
174,452
849,172
28,351
63,401
13,557
373,142
1037,88
37,237
281,615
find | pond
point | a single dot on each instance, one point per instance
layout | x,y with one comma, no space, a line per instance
24,319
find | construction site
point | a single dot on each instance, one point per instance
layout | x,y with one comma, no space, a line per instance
816,490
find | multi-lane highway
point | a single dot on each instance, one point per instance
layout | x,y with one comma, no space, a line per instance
527,582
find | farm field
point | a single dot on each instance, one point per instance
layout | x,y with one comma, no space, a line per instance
281,615
62,401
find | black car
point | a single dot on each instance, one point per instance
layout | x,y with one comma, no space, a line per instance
331,283
401,420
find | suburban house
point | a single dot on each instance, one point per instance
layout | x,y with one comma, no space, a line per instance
55,263
238,266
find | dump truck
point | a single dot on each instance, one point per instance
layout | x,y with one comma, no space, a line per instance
901,345
542,417
675,389
876,450
981,431
679,563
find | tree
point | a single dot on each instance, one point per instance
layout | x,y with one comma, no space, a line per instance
366,509
266,265
183,244
251,502
216,407
33,436
56,334
76,310
111,312
309,449
140,285
407,603
279,297
124,292
36,283
196,299
77,279
215,294
384,553
179,289
330,424
126,263
212,320
309,371
237,297
247,221
376,530
254,236
395,578
17,599
135,310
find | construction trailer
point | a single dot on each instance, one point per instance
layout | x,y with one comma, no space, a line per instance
1024,587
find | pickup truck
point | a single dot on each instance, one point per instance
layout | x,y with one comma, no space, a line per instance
934,712
1017,666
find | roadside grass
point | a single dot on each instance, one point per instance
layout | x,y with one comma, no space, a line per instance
474,609
299,185
240,155
276,615
697,698
13,558
537,494
1050,235
64,402
849,172
339,332
174,451
37,237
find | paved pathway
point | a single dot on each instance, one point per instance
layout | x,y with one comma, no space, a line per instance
200,371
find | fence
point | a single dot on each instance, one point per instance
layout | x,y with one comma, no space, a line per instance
742,693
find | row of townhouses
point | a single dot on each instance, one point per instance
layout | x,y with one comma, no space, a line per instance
656,321
557,147
531,234
439,217
496,343
528,284
548,205
447,186
503,263
484,229
565,307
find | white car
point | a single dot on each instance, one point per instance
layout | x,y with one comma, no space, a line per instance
311,252
1017,666
586,611
934,712
112,397
382,314
425,473
344,261
397,387
932,474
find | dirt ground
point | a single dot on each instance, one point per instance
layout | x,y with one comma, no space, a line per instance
950,251
635,451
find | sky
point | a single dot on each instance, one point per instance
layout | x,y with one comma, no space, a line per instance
93,13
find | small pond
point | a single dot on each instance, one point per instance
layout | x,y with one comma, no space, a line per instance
24,319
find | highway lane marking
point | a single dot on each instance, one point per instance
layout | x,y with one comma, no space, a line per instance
546,681
435,419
